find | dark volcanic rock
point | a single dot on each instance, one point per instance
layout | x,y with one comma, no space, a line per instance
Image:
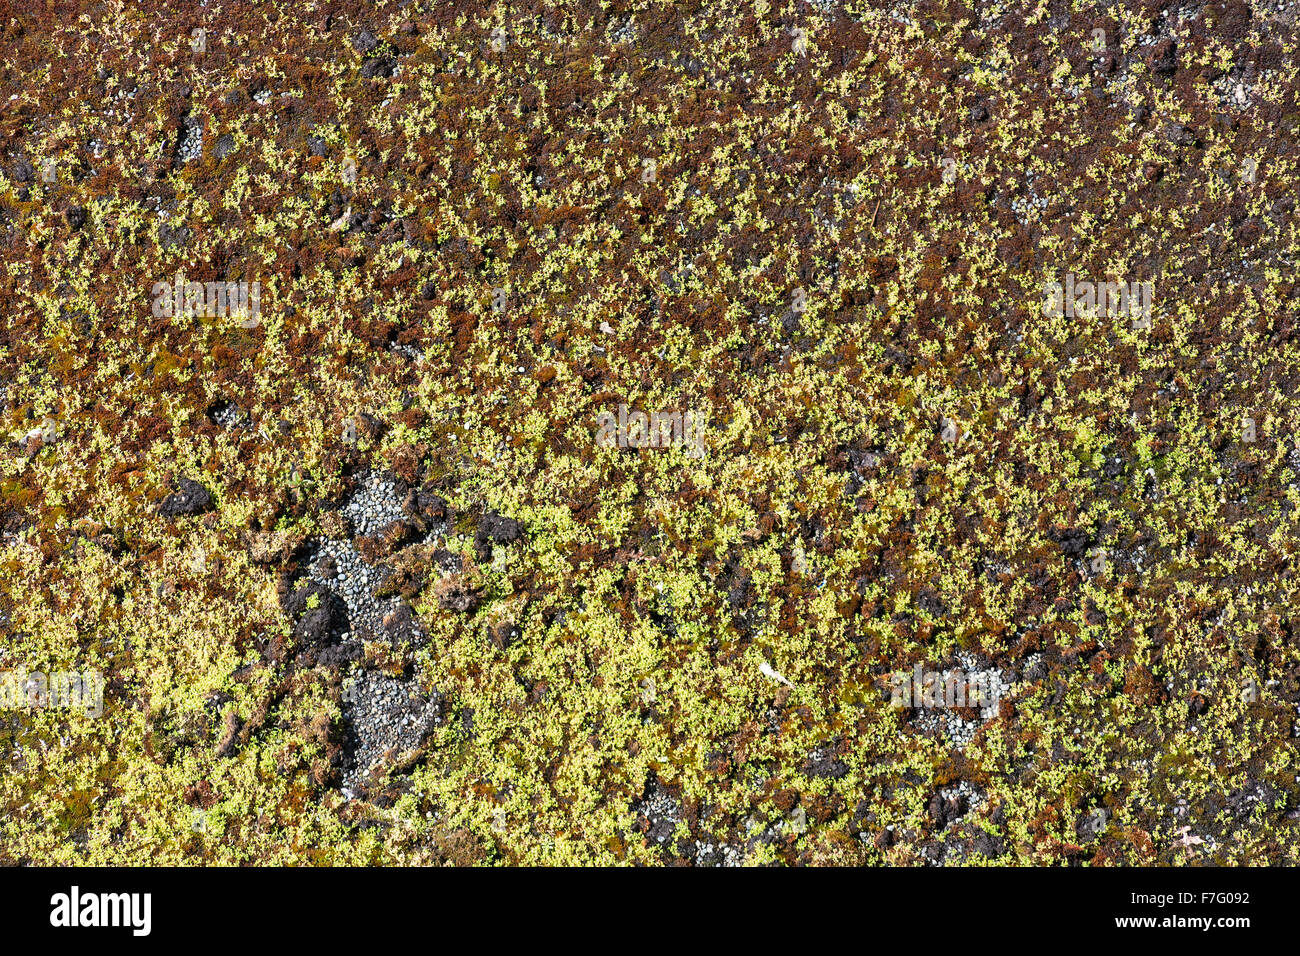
190,498
378,66
495,529
318,614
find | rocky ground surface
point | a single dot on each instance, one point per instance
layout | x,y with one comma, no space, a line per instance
363,583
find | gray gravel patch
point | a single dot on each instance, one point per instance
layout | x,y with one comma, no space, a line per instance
384,717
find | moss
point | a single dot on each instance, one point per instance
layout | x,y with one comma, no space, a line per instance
833,532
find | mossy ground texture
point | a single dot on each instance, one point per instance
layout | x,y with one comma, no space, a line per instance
365,588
